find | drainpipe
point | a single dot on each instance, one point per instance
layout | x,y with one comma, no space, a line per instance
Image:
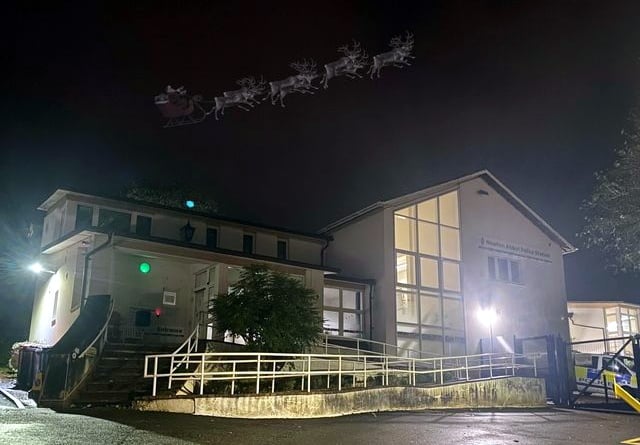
371,296
327,240
86,276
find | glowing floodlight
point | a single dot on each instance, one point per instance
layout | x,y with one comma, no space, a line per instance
36,267
487,316
190,204
144,267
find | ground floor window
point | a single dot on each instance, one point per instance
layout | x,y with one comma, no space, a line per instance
342,311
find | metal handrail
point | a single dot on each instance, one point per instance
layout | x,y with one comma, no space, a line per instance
102,335
264,366
385,346
191,344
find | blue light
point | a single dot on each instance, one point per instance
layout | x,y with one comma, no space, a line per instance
190,204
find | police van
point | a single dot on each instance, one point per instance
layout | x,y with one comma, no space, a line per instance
619,370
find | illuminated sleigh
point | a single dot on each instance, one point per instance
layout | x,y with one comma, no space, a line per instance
178,108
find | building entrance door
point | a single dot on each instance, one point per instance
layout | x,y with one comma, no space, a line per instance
205,289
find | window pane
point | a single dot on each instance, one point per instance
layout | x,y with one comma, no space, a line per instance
405,233
428,210
450,243
330,322
428,272
233,275
405,268
612,324
408,347
492,267
84,217
451,276
282,250
453,317
351,323
408,211
143,225
212,237
201,279
515,272
247,243
406,307
351,299
449,209
331,297
503,269
430,310
112,220
428,238
431,347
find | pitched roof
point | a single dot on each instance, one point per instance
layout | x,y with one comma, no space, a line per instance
437,189
59,194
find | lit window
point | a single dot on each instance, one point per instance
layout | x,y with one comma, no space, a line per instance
449,209
342,311
405,233
405,269
429,272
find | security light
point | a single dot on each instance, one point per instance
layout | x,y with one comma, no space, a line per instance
487,316
37,268
144,267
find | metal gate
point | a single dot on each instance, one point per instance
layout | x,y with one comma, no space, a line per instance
595,389
550,355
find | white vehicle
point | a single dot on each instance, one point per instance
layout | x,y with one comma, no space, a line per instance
619,370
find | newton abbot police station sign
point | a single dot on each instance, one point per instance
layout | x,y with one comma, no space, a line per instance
514,249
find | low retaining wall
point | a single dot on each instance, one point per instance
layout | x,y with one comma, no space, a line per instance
512,392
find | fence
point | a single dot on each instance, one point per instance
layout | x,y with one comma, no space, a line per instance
332,370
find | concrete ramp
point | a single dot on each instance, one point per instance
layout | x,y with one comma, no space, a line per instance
508,392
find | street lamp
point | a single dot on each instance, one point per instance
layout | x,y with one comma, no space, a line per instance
488,316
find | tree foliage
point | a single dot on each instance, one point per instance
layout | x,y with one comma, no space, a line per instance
171,196
612,221
271,311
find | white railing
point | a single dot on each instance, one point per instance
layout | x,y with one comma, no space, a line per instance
185,349
233,367
370,347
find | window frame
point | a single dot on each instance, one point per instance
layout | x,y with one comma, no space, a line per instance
209,230
494,270
286,249
341,310
245,236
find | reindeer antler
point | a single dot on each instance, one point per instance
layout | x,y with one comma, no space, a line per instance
304,67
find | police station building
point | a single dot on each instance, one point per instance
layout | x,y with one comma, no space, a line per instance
454,265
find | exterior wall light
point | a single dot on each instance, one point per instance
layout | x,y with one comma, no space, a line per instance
189,204
37,268
488,317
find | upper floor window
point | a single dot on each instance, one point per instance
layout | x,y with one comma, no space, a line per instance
84,216
342,311
283,249
114,220
503,269
212,237
143,225
248,243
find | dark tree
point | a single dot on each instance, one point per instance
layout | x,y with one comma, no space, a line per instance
174,196
612,221
271,311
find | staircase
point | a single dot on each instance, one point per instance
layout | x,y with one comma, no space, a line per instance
118,376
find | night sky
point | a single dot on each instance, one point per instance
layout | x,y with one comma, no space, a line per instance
537,92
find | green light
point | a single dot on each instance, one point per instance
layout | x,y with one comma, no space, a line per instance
144,267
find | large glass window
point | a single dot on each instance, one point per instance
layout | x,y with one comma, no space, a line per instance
84,217
113,220
429,304
342,311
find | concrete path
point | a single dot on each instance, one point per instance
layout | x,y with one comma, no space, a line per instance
112,426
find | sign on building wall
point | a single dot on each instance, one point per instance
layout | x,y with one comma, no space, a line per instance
519,250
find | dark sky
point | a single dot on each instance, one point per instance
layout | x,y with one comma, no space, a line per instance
537,92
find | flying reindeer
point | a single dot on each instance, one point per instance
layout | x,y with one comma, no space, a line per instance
397,57
298,83
245,96
354,59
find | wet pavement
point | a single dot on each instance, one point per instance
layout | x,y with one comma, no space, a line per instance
119,426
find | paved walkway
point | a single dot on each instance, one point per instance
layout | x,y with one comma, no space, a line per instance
112,426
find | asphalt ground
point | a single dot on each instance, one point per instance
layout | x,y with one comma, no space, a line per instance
119,426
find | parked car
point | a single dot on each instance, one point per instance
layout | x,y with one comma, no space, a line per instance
619,370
